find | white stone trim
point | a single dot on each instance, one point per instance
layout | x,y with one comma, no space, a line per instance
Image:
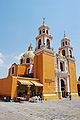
45,40
31,68
59,64
63,80
42,49
28,69
41,41
25,60
50,43
65,65
49,95
60,84
56,84
68,86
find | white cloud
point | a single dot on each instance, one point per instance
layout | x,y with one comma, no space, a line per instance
1,55
1,59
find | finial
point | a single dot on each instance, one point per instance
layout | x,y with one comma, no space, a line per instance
64,35
30,44
43,21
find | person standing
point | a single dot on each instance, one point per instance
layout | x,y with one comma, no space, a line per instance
41,96
70,96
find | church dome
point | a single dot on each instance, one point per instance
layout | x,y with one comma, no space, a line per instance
29,53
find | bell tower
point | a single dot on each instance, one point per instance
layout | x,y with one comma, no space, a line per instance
67,51
44,39
44,66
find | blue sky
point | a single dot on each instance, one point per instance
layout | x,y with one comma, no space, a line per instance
19,22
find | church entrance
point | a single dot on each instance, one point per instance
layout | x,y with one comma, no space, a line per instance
63,87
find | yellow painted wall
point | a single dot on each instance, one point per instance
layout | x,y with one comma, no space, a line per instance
14,87
21,70
8,86
73,78
5,86
44,69
38,67
48,74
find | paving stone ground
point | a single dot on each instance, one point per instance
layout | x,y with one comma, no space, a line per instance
49,110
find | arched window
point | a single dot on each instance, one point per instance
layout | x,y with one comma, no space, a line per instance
66,42
70,52
43,30
63,43
63,52
21,61
63,88
48,43
61,66
46,31
39,44
12,70
28,60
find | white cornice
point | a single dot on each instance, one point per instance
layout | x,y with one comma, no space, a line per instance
44,50
39,36
43,27
61,73
67,46
71,59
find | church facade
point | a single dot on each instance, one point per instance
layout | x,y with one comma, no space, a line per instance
41,71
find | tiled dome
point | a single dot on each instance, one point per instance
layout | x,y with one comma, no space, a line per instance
29,53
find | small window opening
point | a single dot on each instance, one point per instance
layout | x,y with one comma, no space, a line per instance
70,53
28,60
46,31
43,30
21,61
63,43
66,42
39,44
63,52
48,44
61,66
12,70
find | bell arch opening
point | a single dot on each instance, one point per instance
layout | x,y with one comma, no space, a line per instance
48,43
39,44
70,52
63,52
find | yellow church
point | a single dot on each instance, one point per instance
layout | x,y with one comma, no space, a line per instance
41,71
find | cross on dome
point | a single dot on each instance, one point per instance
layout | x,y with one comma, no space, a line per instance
43,21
